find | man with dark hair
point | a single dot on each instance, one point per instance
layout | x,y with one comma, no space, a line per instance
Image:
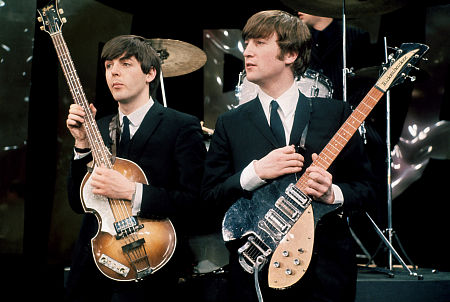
254,145
168,147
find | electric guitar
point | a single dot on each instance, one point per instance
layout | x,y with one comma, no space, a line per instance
279,221
126,247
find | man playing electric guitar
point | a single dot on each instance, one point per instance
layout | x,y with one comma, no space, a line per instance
255,145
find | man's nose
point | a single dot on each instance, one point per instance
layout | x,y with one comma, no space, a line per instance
115,69
248,51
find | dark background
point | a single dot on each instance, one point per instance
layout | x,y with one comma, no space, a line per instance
36,146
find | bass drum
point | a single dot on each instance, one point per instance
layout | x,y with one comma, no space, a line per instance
311,84
314,84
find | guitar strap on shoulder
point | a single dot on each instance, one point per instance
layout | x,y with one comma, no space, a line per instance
114,132
300,148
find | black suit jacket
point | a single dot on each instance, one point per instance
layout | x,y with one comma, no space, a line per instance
243,134
169,148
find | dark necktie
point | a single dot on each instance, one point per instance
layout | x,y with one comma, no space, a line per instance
125,137
276,125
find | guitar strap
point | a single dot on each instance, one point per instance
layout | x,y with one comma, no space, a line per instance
114,132
301,146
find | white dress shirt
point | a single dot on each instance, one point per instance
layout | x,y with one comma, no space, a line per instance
249,180
136,119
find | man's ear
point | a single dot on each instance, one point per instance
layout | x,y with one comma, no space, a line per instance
151,75
290,57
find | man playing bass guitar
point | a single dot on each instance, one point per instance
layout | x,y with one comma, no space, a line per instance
168,146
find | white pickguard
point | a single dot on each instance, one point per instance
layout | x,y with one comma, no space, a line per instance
101,205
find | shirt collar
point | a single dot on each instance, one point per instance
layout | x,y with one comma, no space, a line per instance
137,116
287,101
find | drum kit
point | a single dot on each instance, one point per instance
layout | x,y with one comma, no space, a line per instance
179,58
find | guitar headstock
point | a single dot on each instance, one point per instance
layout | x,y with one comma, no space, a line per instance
401,63
50,16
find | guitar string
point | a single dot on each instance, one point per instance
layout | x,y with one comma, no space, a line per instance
340,138
99,153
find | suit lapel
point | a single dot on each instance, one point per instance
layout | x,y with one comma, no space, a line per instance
146,129
301,118
255,114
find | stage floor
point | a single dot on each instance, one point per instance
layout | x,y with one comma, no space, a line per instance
428,285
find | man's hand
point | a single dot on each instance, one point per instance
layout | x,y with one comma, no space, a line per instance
319,185
112,184
75,124
279,162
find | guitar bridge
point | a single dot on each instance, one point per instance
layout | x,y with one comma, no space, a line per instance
138,258
126,227
254,252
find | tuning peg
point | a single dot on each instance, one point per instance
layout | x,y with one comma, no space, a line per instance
411,78
41,28
412,66
61,11
39,19
64,20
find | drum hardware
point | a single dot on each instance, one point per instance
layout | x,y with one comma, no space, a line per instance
357,8
177,58
311,83
321,85
390,231
354,8
206,130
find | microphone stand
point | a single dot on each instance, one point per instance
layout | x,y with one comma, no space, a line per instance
389,230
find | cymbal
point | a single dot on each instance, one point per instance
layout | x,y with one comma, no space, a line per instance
374,72
178,57
353,8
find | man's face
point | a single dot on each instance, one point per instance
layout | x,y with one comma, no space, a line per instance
262,63
125,79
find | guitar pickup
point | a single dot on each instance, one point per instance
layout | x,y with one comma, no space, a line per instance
298,196
287,208
126,227
277,221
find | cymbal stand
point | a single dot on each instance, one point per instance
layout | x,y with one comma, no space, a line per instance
345,70
390,230
163,92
